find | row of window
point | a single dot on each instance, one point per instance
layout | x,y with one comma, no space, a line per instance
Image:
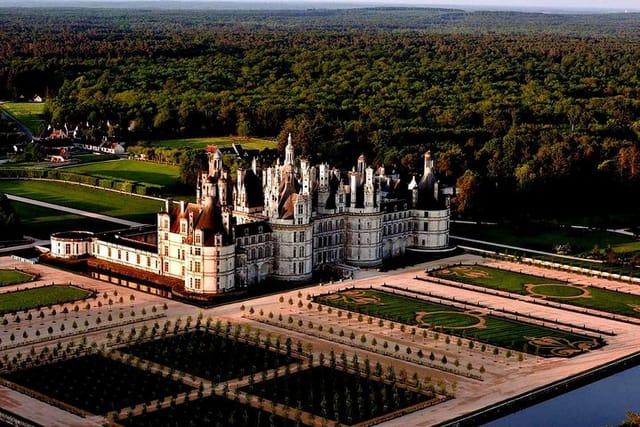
126,256
329,256
261,238
324,241
322,227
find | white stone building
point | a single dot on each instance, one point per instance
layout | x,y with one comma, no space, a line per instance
284,222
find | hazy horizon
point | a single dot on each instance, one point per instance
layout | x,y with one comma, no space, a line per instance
532,5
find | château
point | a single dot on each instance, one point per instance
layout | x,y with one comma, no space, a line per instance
281,222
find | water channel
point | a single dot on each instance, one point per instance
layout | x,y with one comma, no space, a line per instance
602,403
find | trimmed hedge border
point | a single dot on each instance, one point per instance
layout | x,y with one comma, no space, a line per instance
125,186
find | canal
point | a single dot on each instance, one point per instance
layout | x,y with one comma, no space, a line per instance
602,403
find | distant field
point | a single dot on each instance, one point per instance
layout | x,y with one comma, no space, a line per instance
93,157
31,298
40,222
105,202
581,240
27,113
221,141
132,170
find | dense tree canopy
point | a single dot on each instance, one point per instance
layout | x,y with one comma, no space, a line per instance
546,109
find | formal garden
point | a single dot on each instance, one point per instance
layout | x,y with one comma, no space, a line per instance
214,356
209,411
95,383
190,372
473,323
590,297
341,396
12,277
39,297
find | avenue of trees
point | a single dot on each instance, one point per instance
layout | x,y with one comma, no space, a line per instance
543,112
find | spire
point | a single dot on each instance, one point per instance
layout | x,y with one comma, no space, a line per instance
288,160
428,163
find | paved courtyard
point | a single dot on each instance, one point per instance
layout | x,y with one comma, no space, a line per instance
503,376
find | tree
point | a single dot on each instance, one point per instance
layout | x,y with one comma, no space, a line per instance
192,163
9,223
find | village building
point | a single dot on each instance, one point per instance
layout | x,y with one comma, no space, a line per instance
282,222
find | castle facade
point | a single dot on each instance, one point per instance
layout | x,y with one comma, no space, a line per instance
282,222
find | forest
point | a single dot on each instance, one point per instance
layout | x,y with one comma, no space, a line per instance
528,115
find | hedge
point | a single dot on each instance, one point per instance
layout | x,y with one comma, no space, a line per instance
121,185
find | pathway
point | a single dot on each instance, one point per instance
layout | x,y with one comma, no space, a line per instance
75,211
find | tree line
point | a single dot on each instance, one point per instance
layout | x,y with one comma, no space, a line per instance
548,118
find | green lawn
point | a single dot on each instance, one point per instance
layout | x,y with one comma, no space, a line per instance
491,277
552,290
220,141
105,202
93,157
40,222
27,113
486,328
132,170
37,297
11,277
547,238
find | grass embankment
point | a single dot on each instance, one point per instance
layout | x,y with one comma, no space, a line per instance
38,297
485,328
552,290
547,238
11,277
40,222
221,141
30,114
90,199
132,170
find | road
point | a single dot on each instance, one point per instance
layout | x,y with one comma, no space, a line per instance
75,211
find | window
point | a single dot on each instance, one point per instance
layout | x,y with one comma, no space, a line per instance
165,224
182,270
166,251
198,283
148,261
197,238
426,226
301,251
294,253
67,249
109,252
183,227
119,254
198,251
166,266
197,266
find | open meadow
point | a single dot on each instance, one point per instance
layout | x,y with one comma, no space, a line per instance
220,141
132,170
110,203
30,114
40,222
546,238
